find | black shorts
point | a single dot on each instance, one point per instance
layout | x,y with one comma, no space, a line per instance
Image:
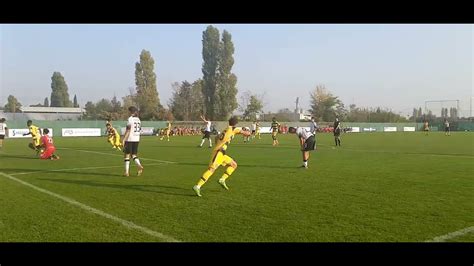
309,144
253,131
2,136
337,133
131,147
446,129
207,135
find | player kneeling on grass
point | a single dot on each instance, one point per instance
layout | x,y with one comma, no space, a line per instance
307,142
113,137
48,146
219,156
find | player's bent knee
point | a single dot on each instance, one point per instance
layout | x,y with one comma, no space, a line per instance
233,164
212,170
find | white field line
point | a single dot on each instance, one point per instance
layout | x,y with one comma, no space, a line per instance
128,224
104,153
452,235
75,169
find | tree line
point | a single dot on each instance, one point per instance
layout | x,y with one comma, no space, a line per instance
214,95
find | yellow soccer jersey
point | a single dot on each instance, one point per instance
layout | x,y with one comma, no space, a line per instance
34,130
112,132
224,138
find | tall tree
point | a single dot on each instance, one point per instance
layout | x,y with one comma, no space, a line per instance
186,102
210,56
13,105
145,81
250,104
227,81
90,109
46,102
324,104
59,94
75,104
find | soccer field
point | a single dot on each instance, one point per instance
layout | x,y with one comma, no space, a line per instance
376,187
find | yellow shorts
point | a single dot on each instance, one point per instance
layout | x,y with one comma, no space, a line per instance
219,159
36,141
274,134
114,140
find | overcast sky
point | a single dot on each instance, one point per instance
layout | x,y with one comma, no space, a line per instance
392,66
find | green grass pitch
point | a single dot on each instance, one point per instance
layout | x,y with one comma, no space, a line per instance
395,187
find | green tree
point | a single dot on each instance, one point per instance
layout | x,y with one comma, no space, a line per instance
90,111
227,81
59,94
145,81
13,105
251,105
323,104
46,102
186,102
75,104
210,56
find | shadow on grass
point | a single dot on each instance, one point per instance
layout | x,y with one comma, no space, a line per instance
142,188
245,165
28,157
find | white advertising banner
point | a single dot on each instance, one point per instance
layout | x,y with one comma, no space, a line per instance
410,129
18,132
354,129
390,129
81,132
145,131
370,129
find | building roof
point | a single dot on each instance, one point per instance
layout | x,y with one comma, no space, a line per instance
67,110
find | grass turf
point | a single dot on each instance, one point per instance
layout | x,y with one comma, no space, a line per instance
376,187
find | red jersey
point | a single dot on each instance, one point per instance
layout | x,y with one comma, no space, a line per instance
47,141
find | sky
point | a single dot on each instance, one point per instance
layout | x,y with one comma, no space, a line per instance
388,65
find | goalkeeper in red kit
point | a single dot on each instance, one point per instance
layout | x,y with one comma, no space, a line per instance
48,145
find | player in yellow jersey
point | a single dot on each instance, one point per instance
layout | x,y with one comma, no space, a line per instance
167,132
113,137
35,135
257,129
275,127
219,156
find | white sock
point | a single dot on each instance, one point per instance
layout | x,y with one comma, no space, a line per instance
210,142
137,161
127,165
202,142
305,163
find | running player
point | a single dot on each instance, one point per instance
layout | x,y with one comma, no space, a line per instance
307,142
131,141
257,129
35,135
3,131
254,129
313,126
207,132
447,130
246,138
275,127
337,132
166,132
219,157
48,146
426,127
113,137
